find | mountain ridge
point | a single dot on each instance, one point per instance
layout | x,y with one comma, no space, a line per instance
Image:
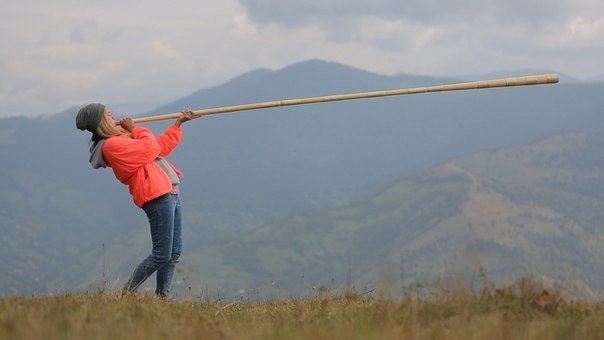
244,170
322,77
459,218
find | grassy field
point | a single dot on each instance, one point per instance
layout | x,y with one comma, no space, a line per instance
519,311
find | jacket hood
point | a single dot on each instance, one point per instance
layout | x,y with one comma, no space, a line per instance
96,154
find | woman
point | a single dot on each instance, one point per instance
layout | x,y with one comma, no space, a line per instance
137,158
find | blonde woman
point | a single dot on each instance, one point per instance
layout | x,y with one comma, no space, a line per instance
137,158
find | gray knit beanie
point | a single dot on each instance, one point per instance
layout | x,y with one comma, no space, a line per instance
89,117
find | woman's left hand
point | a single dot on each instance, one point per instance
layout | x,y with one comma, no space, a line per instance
185,117
127,124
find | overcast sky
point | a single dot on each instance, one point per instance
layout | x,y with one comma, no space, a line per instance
134,55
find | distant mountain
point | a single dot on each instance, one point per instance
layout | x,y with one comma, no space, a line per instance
346,148
535,209
564,78
305,79
58,216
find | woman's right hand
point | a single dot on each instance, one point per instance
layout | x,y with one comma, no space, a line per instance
127,124
186,116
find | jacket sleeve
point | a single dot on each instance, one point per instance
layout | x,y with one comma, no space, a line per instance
131,153
169,139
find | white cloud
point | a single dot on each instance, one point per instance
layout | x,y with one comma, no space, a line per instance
69,53
243,27
162,50
587,31
64,53
396,35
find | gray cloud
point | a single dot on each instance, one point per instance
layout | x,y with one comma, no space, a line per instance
80,33
302,12
73,52
405,25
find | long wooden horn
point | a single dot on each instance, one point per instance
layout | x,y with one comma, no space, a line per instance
505,82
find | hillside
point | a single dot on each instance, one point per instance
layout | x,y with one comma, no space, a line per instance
275,159
66,226
535,209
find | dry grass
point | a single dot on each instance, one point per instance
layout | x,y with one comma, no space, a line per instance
519,311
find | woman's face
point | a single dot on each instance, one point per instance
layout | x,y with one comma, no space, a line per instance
110,117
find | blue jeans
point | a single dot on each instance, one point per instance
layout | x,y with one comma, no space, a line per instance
165,220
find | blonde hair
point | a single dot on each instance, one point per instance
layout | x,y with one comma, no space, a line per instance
107,129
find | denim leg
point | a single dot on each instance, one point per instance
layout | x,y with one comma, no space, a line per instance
160,212
166,272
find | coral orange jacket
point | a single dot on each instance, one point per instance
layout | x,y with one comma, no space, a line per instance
132,161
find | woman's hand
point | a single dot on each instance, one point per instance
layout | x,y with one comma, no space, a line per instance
127,124
185,117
